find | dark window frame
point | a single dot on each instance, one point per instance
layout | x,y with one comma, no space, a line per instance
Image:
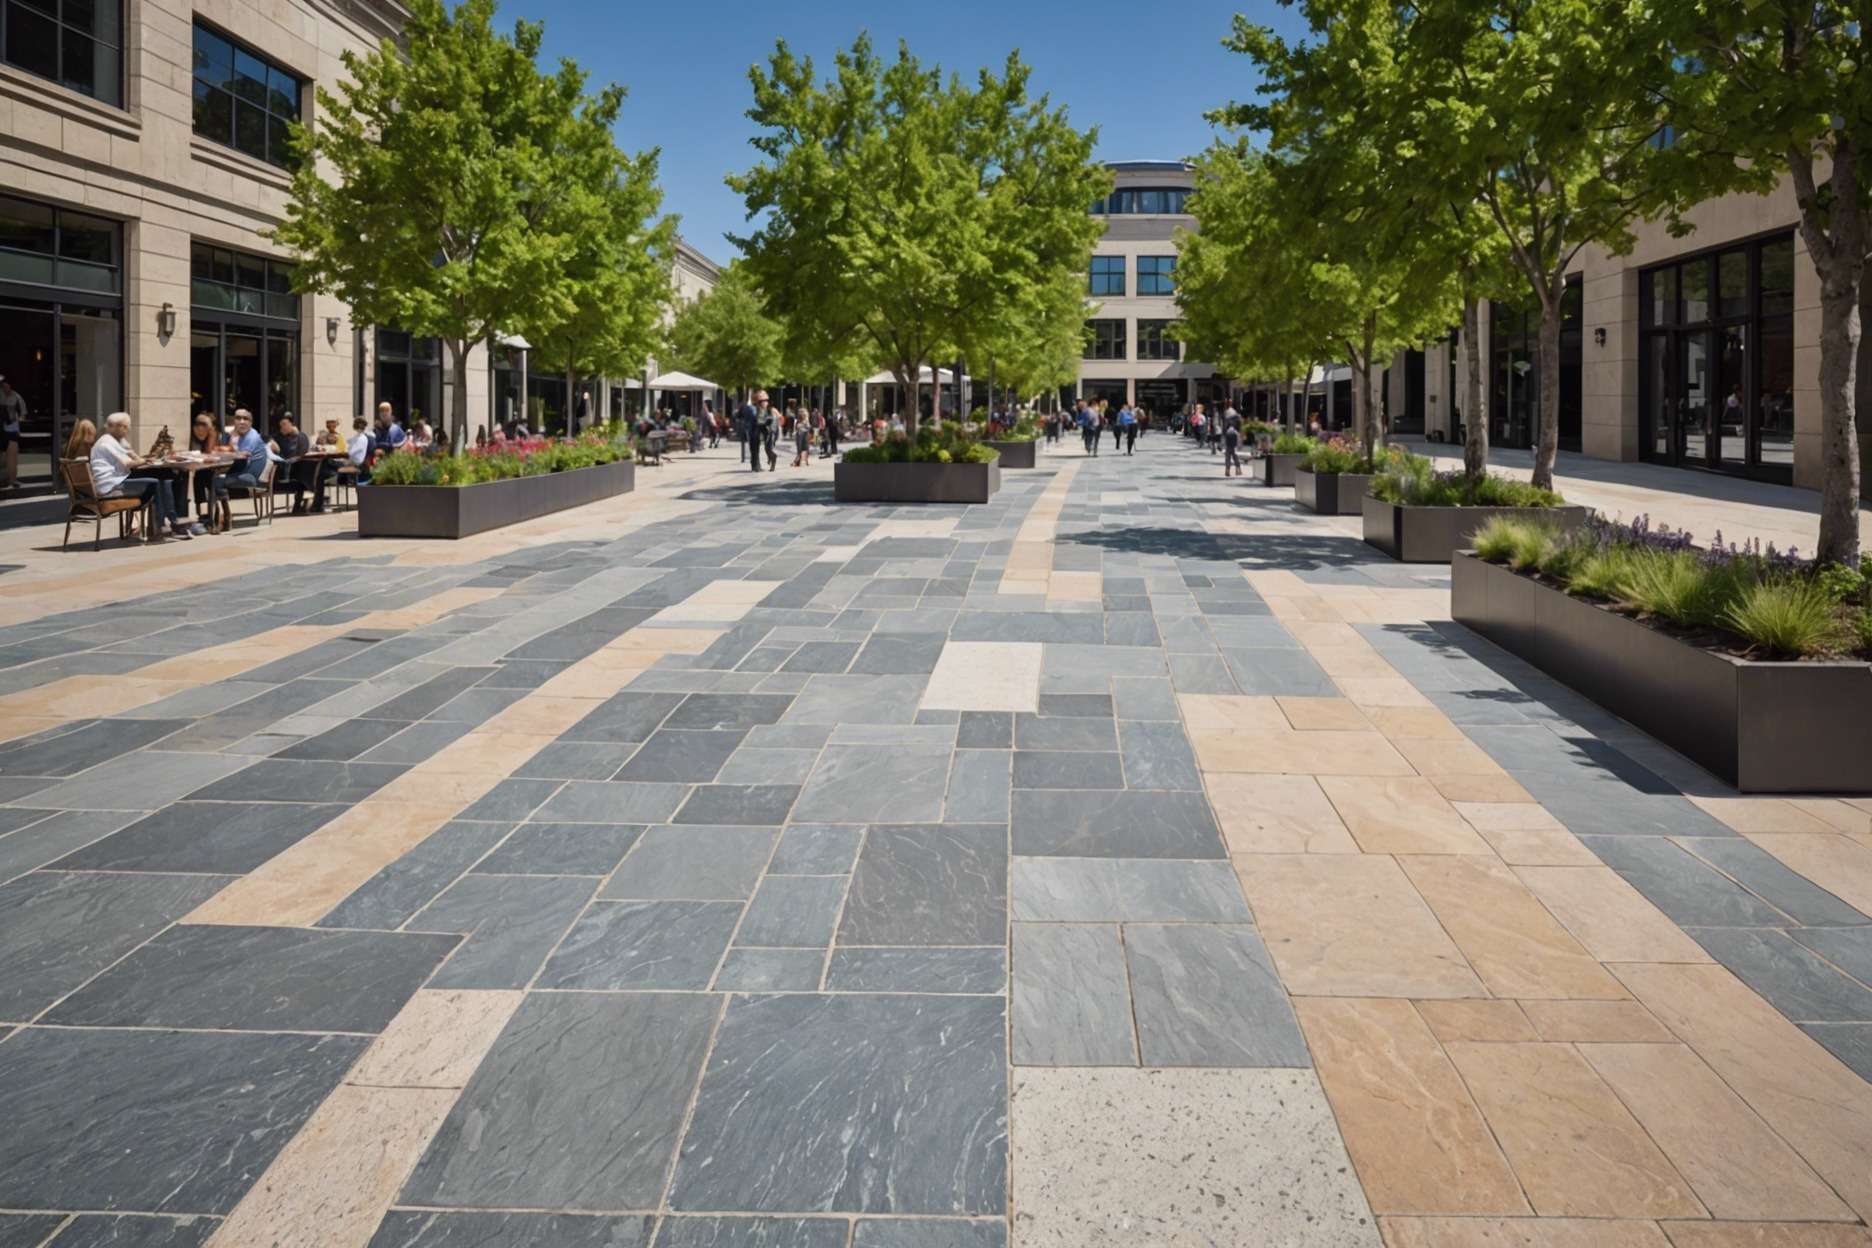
1138,201
1094,274
1154,341
58,256
1107,341
64,34
231,296
1156,275
255,117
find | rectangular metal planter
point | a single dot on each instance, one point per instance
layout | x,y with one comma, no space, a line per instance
1433,534
1764,727
1015,454
1280,469
915,483
452,511
1331,493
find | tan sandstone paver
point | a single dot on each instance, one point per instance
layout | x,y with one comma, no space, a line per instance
1839,864
1277,815
437,1039
1351,925
1520,1233
1610,917
1739,1168
1498,1021
985,676
1765,1235
1576,1149
1609,1022
1418,1140
1400,815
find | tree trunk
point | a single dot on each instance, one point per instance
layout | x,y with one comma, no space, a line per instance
1840,331
1548,362
1283,418
458,402
912,383
1475,432
1372,436
571,412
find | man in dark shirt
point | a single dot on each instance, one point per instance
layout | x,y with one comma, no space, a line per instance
301,472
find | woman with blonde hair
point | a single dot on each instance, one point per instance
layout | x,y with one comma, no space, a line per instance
83,438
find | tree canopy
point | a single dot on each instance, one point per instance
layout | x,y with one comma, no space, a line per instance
726,335
451,188
909,218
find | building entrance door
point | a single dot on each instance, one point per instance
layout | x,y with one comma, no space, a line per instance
27,362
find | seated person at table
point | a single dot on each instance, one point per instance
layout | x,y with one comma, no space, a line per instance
329,439
246,441
301,472
111,464
390,435
358,449
420,435
204,439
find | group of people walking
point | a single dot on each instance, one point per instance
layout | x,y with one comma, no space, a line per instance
762,427
1094,419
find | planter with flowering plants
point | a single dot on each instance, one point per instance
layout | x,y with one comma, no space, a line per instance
1283,458
1333,476
411,494
1753,662
1416,514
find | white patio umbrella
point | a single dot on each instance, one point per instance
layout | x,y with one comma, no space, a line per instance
680,381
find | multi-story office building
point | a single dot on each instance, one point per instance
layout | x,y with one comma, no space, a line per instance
142,162
1132,283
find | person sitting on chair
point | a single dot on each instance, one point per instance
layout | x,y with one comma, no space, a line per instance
111,464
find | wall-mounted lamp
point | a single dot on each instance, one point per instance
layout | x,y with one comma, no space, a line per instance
166,321
331,330
1598,336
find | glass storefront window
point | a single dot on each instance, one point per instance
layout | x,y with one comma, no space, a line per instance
235,281
1657,296
1154,341
1732,284
76,43
50,246
1777,277
409,375
1775,389
1696,291
1107,341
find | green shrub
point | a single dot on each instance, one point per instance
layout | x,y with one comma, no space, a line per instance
944,444
1495,540
1841,583
1785,616
1412,480
1293,444
1338,456
1861,626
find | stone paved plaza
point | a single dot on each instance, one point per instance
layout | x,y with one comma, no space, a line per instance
1133,860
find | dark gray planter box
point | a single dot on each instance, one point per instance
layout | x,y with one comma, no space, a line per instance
451,511
1331,493
1280,469
915,483
1015,454
1433,534
1763,727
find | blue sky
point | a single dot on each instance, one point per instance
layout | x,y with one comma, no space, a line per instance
1142,73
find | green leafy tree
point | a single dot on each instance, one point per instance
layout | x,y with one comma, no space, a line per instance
1768,89
727,335
908,218
1043,353
436,191
617,279
1546,108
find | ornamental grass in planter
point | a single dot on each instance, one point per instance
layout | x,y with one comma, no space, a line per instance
1282,459
1748,601
1334,475
1419,515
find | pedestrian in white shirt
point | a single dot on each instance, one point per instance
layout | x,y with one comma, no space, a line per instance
111,464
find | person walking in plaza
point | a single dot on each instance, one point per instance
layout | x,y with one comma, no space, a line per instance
582,414
802,438
747,425
769,433
1088,427
1128,427
833,421
1231,442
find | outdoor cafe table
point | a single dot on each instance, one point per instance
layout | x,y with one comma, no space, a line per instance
173,467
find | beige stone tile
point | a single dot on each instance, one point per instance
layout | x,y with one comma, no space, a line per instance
985,676
88,697
1076,586
427,611
1547,847
1500,1022
741,592
1416,1138
1519,1233
1609,1022
1380,690
1400,815
1436,757
1306,607
1310,633
452,791
1510,939
1278,583
597,677
1762,814
332,1183
1351,925
1835,814
1805,1093
657,641
701,613
1214,713
1765,1235
13,727
1839,864
541,714
486,753
1509,817
1576,1149
941,527
1300,754
1423,723
437,1039
297,886
1608,916
1276,815
1481,789
1023,585
1316,714
1735,1163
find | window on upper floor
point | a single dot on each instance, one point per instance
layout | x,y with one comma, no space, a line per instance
1156,275
76,43
1107,276
1107,340
1166,200
237,281
242,99
1154,341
